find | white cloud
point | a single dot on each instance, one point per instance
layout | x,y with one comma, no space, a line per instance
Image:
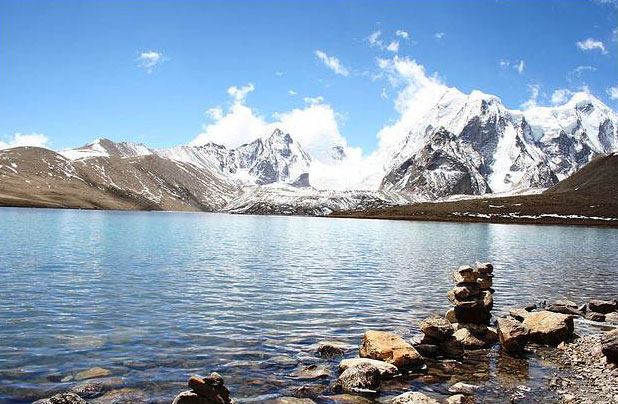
402,34
581,69
278,74
239,94
148,60
18,140
374,39
393,46
417,93
613,92
332,63
439,35
591,44
504,63
534,96
292,92
215,113
383,94
519,67
561,96
314,100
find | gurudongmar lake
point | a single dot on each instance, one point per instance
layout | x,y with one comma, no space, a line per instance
152,298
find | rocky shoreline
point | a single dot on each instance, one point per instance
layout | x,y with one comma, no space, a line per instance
455,350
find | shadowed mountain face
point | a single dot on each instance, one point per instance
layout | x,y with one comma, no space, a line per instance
32,176
589,196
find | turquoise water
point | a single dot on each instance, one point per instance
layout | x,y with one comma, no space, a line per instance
155,297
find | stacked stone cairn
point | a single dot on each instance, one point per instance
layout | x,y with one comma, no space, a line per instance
205,390
466,325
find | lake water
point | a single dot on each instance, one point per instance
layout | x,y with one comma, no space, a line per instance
156,297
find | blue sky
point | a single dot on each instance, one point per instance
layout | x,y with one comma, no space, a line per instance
71,70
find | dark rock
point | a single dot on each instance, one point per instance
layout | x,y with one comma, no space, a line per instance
602,306
513,335
189,397
485,281
211,388
557,308
437,327
428,350
451,348
609,345
330,349
466,315
361,379
594,316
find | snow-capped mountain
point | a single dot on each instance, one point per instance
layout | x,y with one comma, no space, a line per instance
107,148
275,159
472,144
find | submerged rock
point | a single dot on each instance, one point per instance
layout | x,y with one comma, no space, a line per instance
311,372
360,379
549,328
413,398
609,345
387,370
92,373
95,388
463,388
122,396
390,348
513,335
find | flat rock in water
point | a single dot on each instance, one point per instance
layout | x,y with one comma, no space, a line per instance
387,370
382,345
558,308
609,345
94,388
349,399
549,328
451,348
519,314
291,400
463,388
437,327
311,372
92,373
413,398
564,302
602,306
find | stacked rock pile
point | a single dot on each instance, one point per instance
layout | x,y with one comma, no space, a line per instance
205,390
465,326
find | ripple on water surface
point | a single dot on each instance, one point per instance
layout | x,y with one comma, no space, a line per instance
155,297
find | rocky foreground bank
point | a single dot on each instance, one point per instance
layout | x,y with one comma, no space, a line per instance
585,368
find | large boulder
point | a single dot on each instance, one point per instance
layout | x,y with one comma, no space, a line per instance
609,345
437,328
602,306
413,398
513,335
360,379
549,328
388,347
330,349
387,370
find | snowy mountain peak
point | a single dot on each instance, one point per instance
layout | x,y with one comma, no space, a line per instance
102,147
